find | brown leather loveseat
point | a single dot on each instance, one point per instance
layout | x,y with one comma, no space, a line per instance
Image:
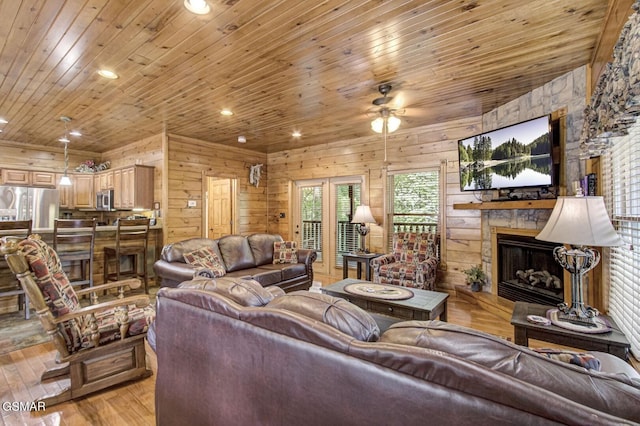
242,257
254,356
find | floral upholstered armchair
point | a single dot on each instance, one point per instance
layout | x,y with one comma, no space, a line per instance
413,263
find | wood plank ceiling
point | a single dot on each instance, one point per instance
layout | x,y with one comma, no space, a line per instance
279,66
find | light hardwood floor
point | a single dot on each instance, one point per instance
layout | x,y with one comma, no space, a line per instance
133,404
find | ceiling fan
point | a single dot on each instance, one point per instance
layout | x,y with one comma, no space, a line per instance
385,111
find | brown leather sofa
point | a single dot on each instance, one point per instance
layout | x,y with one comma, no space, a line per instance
243,257
254,356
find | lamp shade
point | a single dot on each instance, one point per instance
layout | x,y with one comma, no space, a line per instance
580,221
65,181
393,123
377,125
363,215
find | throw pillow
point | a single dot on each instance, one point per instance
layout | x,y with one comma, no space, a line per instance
580,359
285,252
205,257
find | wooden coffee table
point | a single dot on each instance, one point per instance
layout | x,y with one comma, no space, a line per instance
424,305
613,342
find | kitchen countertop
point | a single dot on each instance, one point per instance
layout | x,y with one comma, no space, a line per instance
99,228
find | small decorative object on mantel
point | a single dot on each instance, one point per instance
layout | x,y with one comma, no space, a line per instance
90,166
476,277
254,174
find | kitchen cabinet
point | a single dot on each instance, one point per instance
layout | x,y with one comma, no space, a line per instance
43,179
133,188
83,191
28,178
103,180
16,177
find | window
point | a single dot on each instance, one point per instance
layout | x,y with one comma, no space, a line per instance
414,203
621,179
347,200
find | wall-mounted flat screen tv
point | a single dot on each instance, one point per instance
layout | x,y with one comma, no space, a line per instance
515,156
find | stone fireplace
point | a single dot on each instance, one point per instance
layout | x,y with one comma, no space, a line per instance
526,269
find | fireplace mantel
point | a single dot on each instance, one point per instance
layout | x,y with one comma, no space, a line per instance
507,205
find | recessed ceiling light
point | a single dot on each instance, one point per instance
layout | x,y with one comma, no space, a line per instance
108,74
75,133
296,134
3,121
64,139
242,139
199,7
226,112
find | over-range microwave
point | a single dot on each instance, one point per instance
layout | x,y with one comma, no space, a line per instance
104,200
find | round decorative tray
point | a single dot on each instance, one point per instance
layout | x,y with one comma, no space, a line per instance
379,291
601,324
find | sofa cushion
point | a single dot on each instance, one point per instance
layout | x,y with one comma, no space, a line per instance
285,252
266,277
236,252
614,394
245,292
205,257
288,270
336,312
262,247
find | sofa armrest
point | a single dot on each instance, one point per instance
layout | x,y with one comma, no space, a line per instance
174,271
307,256
382,260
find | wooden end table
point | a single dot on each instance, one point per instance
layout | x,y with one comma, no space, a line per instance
361,259
424,305
613,342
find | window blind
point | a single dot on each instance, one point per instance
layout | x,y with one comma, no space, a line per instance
414,203
347,237
621,179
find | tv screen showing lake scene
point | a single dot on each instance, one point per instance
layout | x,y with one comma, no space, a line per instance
512,157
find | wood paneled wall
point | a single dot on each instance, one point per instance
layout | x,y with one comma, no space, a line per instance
187,162
31,157
406,150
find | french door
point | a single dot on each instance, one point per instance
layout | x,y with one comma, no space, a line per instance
323,209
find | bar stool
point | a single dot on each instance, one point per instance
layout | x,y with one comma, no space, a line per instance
74,241
131,241
19,229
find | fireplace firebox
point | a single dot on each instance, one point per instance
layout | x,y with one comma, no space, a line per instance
527,270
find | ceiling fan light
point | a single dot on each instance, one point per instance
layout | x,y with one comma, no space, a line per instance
393,123
377,125
199,7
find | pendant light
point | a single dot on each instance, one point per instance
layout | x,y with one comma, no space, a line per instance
65,180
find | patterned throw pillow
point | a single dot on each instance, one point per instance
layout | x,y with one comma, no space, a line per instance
205,257
585,360
285,252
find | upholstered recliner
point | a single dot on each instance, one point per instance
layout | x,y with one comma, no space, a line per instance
413,263
99,345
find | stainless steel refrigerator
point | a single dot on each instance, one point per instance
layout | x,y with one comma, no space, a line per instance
21,203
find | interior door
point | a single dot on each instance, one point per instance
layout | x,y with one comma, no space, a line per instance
220,207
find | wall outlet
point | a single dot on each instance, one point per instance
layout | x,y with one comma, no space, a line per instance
191,203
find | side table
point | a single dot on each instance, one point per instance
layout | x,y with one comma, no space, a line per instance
613,342
360,259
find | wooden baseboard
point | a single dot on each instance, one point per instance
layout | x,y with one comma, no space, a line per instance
487,301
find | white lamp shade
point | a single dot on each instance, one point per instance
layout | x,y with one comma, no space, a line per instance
377,125
363,215
580,221
65,181
393,123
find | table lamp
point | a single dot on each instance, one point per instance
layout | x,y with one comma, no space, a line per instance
579,222
361,218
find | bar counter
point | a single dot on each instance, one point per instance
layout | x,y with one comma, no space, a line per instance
106,236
